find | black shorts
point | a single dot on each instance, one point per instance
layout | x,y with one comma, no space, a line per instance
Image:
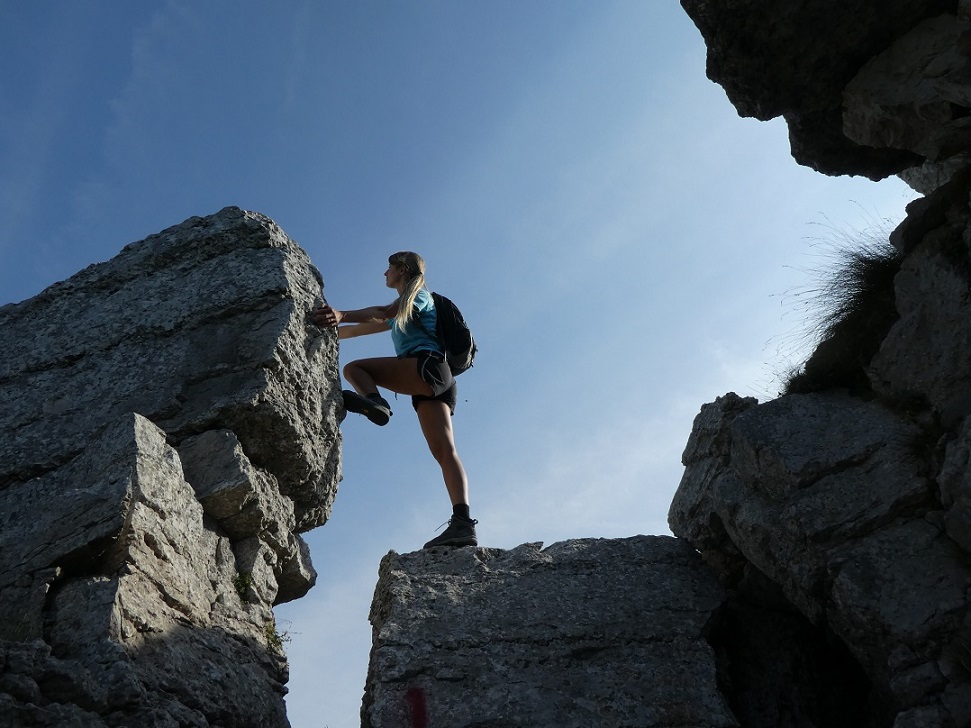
435,372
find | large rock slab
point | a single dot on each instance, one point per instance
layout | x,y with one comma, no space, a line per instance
923,360
585,632
915,95
202,326
144,621
829,497
169,426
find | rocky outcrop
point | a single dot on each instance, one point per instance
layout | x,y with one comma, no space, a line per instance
605,632
916,94
865,88
858,508
170,426
854,511
582,633
829,499
924,359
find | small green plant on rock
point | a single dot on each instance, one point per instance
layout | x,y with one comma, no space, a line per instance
242,583
274,638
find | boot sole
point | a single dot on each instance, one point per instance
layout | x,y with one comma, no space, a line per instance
353,402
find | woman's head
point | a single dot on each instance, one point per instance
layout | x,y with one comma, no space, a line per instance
412,269
411,264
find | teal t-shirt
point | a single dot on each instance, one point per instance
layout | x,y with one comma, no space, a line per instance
415,337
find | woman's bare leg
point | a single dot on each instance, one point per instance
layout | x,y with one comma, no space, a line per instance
398,375
436,426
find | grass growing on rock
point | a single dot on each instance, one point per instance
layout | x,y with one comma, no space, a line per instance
852,304
274,637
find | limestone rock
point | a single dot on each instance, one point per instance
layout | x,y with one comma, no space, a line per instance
795,60
955,483
202,326
852,512
929,176
915,95
170,426
923,358
585,632
828,496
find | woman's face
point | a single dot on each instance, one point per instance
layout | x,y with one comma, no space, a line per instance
394,276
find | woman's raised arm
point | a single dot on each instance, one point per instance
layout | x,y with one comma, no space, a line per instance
327,316
371,327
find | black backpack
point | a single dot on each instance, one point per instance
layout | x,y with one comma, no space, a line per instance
454,334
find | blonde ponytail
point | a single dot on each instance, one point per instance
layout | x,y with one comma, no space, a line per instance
414,267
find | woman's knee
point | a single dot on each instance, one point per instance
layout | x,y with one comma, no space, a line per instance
443,452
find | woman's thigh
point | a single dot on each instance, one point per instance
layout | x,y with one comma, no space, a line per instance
436,426
398,375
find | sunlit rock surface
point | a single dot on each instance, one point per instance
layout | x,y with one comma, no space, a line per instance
583,633
169,426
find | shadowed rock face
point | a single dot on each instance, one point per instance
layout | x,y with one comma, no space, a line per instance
853,513
856,512
828,501
170,425
855,102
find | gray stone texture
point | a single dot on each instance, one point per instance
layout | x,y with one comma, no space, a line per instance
923,358
855,512
170,426
862,89
829,497
588,632
912,95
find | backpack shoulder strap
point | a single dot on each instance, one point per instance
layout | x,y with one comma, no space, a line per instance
416,316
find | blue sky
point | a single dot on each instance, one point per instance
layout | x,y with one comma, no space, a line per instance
621,242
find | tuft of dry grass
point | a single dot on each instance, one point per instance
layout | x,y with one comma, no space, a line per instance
851,306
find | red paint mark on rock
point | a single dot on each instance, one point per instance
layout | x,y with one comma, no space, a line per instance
417,708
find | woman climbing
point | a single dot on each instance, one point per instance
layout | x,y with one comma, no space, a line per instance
419,370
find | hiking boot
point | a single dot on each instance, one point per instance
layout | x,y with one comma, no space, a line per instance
460,532
375,407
